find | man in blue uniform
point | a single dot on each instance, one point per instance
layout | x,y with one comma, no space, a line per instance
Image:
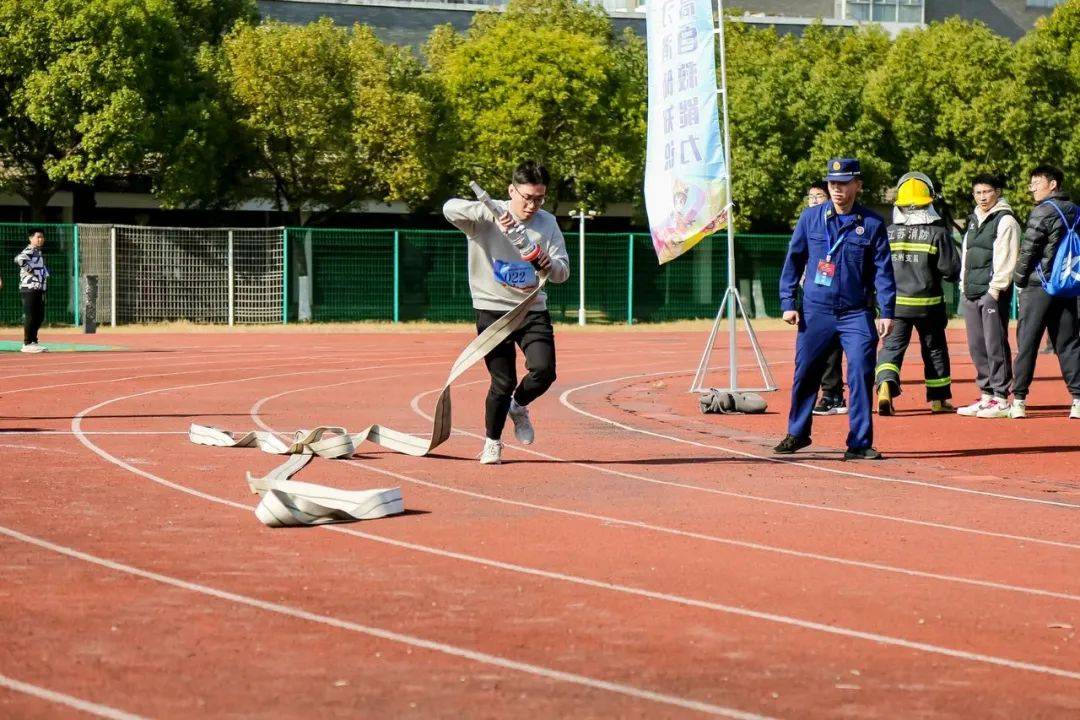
843,248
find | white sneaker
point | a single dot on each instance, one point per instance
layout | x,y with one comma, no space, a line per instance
973,409
32,348
492,454
1074,414
996,408
1018,411
523,429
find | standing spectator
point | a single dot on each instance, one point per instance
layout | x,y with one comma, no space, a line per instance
987,261
844,249
1054,213
832,382
33,278
923,255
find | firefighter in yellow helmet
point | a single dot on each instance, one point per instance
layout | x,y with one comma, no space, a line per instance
923,255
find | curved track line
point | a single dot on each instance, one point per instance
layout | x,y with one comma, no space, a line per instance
805,506
799,463
411,640
697,536
70,701
574,579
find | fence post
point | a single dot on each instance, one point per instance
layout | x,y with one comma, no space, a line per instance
397,276
630,279
285,276
112,276
75,265
232,283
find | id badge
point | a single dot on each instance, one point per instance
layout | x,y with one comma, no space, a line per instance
519,275
825,272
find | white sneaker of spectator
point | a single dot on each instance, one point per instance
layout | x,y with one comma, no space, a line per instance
996,408
1074,413
32,348
973,409
1018,411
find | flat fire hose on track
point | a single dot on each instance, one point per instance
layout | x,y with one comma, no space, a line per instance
287,503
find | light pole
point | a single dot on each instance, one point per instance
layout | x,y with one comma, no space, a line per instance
582,215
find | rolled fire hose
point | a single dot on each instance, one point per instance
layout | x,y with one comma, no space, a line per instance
286,502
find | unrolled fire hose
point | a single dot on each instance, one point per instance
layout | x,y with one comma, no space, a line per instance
286,502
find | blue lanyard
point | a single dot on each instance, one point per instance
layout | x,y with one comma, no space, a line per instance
839,239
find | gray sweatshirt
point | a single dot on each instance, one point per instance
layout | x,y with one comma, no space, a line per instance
487,244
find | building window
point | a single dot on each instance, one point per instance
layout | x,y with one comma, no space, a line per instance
888,11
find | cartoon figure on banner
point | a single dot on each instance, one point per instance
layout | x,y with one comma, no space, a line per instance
683,223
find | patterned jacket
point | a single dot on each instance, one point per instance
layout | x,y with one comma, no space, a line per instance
33,274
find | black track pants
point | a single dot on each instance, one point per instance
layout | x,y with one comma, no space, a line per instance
536,338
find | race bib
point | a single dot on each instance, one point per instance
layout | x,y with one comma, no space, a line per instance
825,272
520,275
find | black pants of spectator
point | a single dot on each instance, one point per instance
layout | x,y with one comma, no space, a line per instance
33,314
987,322
832,382
935,354
536,338
1040,313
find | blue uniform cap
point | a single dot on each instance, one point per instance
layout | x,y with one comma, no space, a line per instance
842,170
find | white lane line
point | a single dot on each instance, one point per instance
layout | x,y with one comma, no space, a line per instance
588,582
685,533
382,634
6,433
289,362
770,458
69,700
800,505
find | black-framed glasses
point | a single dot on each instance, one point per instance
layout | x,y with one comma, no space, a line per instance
536,200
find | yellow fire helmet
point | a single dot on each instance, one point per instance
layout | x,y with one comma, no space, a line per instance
914,190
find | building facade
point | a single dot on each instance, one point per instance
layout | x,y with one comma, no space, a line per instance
406,22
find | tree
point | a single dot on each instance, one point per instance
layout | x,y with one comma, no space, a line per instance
545,80
77,79
333,117
929,97
96,87
1037,110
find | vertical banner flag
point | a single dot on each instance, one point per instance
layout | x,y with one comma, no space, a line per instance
686,183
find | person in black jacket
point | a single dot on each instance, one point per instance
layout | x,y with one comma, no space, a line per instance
1039,311
923,254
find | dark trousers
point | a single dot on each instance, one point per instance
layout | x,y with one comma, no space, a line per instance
33,313
1040,312
987,322
832,382
935,353
818,329
536,338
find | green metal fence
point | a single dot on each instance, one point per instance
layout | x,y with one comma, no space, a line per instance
60,257
333,275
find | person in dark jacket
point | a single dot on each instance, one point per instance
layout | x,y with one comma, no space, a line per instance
987,262
33,279
1039,311
831,401
923,255
843,249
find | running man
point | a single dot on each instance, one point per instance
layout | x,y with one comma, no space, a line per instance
498,280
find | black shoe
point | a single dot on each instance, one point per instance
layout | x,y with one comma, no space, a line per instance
831,406
866,453
790,444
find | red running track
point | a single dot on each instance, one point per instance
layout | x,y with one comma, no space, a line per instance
639,560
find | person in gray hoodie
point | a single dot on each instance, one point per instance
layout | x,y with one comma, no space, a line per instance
499,279
987,260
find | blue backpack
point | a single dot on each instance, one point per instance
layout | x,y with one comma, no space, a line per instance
1064,279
